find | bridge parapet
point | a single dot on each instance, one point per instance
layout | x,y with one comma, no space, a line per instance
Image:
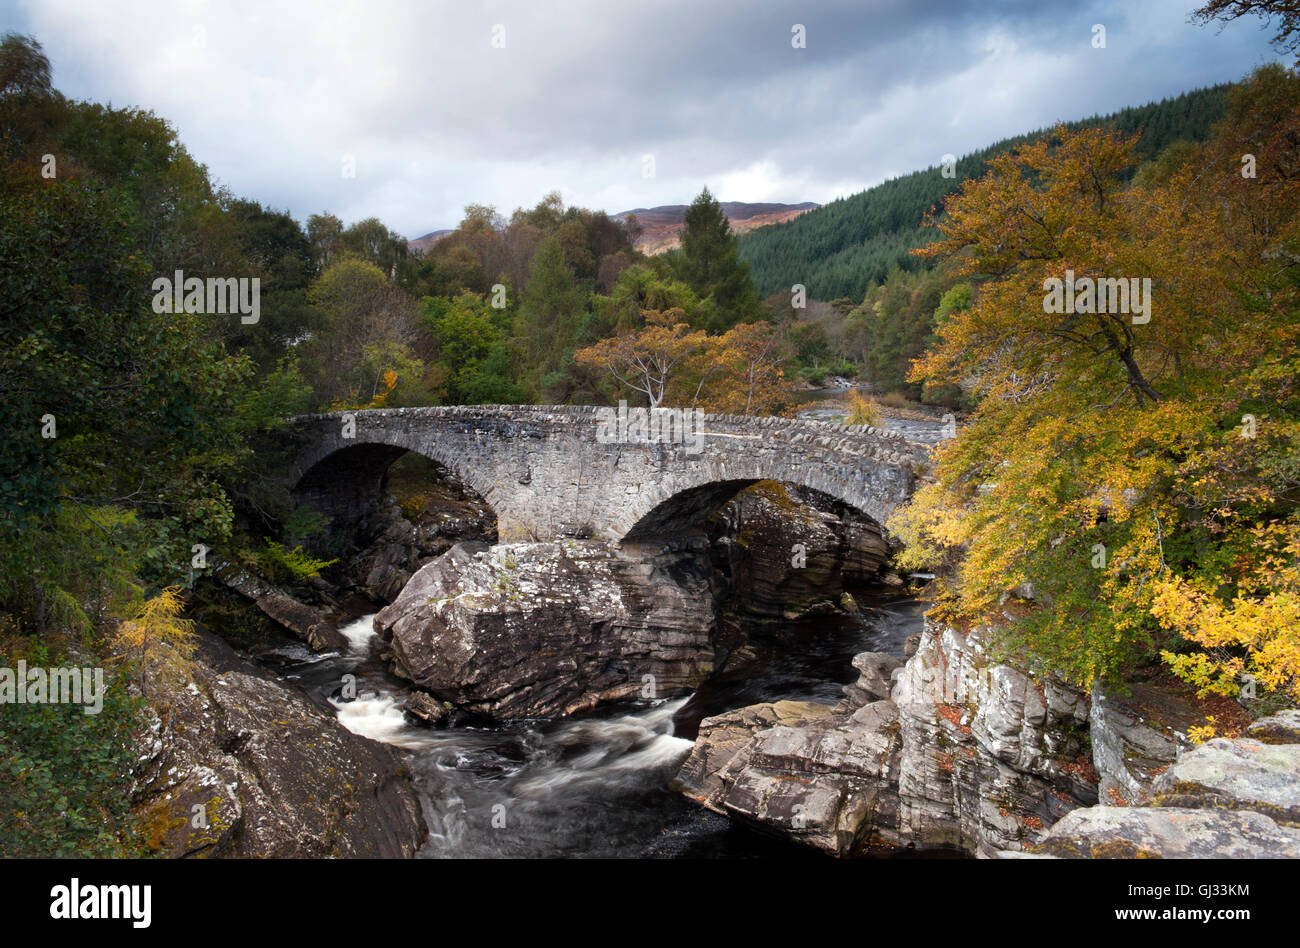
552,471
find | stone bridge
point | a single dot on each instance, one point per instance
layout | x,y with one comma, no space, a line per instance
547,472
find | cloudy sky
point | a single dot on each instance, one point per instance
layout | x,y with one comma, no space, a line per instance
442,104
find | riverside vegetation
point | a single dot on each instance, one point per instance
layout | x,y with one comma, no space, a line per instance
1136,485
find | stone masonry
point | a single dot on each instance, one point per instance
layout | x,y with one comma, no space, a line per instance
548,476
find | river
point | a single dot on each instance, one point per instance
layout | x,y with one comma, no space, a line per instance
594,785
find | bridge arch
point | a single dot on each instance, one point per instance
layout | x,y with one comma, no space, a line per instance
675,511
550,472
343,478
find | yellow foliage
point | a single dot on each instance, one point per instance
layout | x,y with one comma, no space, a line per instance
863,411
157,640
1202,733
1138,469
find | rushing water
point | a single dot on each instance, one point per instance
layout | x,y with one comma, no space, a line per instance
595,785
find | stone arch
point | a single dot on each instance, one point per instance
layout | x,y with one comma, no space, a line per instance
675,504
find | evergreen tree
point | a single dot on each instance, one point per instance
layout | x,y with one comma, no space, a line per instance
709,262
550,315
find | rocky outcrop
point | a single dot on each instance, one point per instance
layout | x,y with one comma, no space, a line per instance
796,768
990,756
304,621
524,629
530,629
964,753
791,551
876,675
1112,832
1135,739
238,764
1225,798
400,546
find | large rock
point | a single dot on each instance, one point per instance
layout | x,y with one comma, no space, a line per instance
967,754
1225,798
1110,832
524,630
877,672
1236,774
1280,728
242,765
799,770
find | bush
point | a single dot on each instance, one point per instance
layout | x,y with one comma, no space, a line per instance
863,411
281,565
814,375
66,774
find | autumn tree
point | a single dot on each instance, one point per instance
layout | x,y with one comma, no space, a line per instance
1133,468
742,372
648,360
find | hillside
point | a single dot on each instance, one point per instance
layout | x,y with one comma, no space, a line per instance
428,240
662,225
849,245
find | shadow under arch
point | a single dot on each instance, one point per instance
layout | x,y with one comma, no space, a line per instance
688,510
347,485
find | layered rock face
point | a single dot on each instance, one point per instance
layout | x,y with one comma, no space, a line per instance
951,751
270,773
990,757
529,629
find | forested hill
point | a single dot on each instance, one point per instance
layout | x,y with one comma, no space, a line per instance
849,245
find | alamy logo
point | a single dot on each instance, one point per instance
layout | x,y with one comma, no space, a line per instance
83,686
103,901
650,426
1102,295
241,295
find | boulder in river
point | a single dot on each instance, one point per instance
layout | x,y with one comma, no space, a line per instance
539,629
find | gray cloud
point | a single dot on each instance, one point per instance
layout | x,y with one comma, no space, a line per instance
272,94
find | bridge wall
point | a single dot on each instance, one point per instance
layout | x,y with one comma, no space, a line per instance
546,474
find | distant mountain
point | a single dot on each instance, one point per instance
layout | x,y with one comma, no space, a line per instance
663,225
845,247
428,240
